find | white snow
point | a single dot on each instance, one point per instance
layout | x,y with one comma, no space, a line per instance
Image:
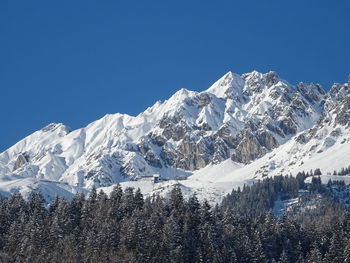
63,162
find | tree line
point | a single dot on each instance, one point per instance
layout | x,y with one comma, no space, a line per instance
126,227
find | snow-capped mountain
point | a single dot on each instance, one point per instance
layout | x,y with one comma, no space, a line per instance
242,127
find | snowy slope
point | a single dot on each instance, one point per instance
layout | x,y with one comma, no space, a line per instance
243,127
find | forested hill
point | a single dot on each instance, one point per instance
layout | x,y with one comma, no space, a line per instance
126,227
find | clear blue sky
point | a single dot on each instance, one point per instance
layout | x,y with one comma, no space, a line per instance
75,61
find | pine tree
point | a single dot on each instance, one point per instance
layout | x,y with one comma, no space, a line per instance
269,236
317,172
176,200
36,204
191,229
138,199
314,255
284,257
346,253
335,251
128,203
259,255
116,194
116,211
173,240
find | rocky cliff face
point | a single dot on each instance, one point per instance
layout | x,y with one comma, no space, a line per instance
335,116
240,117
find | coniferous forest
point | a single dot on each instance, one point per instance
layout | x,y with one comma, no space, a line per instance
126,227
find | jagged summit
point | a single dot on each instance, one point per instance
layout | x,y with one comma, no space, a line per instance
242,121
226,84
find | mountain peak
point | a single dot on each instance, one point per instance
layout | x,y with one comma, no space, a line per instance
233,85
225,84
228,74
266,79
180,95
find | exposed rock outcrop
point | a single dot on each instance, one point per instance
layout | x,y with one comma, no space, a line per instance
20,161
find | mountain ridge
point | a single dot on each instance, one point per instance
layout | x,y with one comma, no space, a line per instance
239,119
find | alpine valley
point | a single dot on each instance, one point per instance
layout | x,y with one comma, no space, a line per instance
244,127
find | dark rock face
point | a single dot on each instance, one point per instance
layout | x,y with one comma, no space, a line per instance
271,78
225,135
221,151
302,138
157,139
253,145
343,116
336,111
195,151
173,128
196,154
267,140
55,126
147,153
152,160
169,157
204,99
128,170
248,149
287,126
21,160
311,95
337,102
